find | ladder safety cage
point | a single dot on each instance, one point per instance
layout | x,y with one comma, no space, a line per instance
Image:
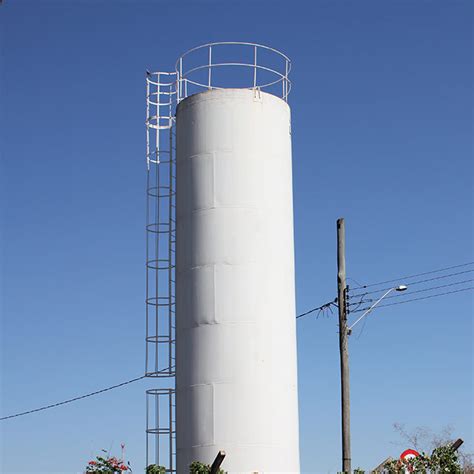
161,428
160,224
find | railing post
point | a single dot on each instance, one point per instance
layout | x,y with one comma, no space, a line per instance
255,67
180,89
210,68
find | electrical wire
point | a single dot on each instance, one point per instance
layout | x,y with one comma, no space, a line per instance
415,299
319,308
398,295
413,283
47,407
306,313
73,399
406,277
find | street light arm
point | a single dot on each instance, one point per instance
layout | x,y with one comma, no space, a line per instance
370,309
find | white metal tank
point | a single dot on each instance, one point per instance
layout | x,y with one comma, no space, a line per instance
236,382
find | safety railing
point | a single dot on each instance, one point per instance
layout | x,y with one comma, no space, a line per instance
225,65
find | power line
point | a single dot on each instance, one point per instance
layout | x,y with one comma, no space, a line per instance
406,277
73,399
319,308
47,407
306,313
416,299
424,290
413,283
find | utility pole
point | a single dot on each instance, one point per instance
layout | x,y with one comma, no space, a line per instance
343,349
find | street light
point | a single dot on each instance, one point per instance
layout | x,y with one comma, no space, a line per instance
396,288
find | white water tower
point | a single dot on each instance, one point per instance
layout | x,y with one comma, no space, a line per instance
234,324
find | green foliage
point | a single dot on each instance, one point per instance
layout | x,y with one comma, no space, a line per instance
155,469
442,459
200,468
359,471
446,460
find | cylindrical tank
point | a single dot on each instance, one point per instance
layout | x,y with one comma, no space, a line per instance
236,383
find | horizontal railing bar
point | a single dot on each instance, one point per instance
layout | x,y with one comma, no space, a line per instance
236,43
262,86
208,66
157,93
159,339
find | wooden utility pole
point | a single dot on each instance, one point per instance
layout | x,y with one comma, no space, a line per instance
343,349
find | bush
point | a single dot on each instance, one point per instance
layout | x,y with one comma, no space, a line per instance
155,469
200,468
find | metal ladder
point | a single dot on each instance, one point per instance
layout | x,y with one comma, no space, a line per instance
160,268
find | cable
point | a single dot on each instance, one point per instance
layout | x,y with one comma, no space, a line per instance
73,399
398,295
319,308
413,283
415,299
413,276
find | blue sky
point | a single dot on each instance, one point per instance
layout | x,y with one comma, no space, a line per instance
382,135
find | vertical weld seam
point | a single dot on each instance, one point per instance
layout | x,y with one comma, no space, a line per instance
213,159
214,293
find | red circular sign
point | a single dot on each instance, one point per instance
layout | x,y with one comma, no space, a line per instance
409,454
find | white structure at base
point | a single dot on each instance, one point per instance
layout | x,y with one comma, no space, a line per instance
236,382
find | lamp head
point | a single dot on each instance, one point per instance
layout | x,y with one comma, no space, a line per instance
401,288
